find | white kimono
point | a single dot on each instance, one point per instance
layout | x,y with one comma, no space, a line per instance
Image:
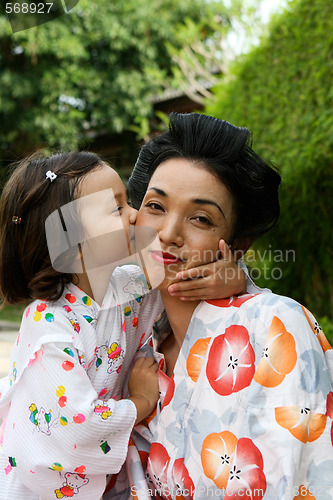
247,413
65,425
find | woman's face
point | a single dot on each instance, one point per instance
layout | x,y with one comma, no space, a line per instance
191,210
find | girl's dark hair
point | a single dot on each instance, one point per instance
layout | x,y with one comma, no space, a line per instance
25,268
226,151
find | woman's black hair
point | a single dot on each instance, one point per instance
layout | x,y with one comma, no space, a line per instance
226,151
27,200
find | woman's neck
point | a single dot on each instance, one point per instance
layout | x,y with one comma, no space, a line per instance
179,315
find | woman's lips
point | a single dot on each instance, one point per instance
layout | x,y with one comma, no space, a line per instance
165,257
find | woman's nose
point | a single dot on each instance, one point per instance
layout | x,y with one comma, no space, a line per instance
171,233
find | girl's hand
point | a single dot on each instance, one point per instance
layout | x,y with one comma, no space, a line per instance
143,386
216,280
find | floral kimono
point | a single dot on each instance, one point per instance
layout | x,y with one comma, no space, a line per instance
247,412
67,424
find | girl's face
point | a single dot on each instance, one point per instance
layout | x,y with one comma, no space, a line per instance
191,210
105,217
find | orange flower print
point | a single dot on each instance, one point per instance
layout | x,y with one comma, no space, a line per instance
217,455
300,422
196,358
317,330
279,356
234,465
233,301
230,366
304,493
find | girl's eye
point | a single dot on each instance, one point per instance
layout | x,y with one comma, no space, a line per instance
117,210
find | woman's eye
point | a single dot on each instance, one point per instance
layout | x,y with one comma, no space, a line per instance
154,206
203,220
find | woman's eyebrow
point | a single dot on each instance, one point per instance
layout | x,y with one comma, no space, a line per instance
158,191
200,201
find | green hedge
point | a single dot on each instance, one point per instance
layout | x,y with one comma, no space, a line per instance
282,91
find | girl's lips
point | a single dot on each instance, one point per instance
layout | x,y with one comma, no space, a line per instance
165,257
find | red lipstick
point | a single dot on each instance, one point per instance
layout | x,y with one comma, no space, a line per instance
165,257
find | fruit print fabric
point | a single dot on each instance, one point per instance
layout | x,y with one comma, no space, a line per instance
247,437
63,410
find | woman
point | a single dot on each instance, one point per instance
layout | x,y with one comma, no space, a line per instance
246,401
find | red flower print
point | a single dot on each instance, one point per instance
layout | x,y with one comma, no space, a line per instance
158,463
329,411
317,330
217,455
329,405
167,387
230,366
196,358
300,422
279,356
182,481
246,477
233,301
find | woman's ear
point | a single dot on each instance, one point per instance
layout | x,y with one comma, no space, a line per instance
240,246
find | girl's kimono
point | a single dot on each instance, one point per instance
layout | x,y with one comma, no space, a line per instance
247,412
67,424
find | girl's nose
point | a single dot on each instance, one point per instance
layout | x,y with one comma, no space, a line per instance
132,215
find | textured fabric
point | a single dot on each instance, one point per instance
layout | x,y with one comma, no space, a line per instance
247,413
65,424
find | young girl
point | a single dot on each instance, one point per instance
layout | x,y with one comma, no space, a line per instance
65,424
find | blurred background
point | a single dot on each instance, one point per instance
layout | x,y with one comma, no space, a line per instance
105,76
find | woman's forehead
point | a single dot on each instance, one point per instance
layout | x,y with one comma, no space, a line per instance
180,176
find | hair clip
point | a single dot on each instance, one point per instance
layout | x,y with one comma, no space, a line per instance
16,219
51,175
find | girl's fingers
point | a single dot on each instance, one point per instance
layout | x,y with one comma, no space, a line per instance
193,292
226,253
195,272
188,286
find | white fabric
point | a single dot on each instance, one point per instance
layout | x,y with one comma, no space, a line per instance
67,424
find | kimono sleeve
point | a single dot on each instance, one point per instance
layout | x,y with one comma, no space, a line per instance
289,407
57,425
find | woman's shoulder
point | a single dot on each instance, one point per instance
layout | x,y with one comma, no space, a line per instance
259,311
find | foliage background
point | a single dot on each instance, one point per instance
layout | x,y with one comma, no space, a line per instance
93,73
282,91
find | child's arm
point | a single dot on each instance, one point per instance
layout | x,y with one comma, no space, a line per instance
57,420
143,387
216,280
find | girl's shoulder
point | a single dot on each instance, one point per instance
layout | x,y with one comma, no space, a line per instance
128,283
